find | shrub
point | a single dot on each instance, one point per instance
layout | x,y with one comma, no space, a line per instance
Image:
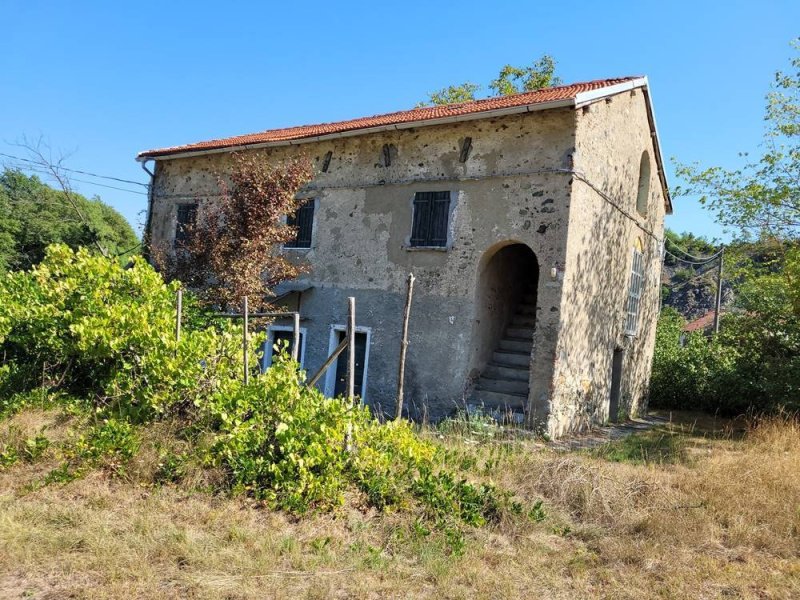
111,444
731,373
84,324
280,441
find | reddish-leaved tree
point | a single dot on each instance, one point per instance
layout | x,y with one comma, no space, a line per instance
233,248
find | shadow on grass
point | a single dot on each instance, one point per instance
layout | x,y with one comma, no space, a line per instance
651,447
677,441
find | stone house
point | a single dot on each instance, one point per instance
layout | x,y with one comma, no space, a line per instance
533,224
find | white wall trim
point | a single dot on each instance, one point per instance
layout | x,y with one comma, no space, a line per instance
266,359
330,376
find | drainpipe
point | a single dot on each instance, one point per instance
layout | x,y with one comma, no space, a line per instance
149,219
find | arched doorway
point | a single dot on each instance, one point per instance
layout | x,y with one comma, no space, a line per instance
506,302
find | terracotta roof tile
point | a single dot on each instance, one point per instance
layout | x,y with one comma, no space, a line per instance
553,94
704,322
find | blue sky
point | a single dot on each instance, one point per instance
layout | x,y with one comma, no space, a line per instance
104,80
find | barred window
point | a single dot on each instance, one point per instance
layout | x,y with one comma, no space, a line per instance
431,213
184,222
635,293
303,219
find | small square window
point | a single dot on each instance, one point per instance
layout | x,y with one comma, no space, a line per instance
184,223
303,220
430,220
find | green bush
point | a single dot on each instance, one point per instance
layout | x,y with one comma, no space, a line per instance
747,367
111,444
281,441
83,325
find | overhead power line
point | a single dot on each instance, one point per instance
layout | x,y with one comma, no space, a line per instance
689,262
44,171
28,160
112,187
700,259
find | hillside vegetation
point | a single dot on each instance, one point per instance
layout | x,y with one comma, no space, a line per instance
33,215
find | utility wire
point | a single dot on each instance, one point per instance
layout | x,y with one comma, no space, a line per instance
699,258
110,187
118,254
680,284
28,160
689,262
46,172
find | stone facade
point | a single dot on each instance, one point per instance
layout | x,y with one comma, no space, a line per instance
545,180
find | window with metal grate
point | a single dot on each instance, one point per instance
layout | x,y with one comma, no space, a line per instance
184,222
303,219
431,215
635,293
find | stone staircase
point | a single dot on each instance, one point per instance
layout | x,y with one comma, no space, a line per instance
502,389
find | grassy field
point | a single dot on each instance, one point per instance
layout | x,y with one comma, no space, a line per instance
698,508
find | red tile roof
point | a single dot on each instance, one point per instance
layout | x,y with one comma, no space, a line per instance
701,324
553,94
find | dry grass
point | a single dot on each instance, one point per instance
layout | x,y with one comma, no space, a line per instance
721,519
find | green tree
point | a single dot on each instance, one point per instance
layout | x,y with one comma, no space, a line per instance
33,215
763,197
452,94
514,80
754,362
510,80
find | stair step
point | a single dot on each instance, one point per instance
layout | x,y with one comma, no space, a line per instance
503,386
511,358
498,401
523,320
524,333
526,309
504,416
496,371
522,346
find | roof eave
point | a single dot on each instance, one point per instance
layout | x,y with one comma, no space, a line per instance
651,117
585,98
487,114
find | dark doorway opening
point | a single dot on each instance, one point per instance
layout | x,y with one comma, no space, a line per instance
506,298
616,384
340,386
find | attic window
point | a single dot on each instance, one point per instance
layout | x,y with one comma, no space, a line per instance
643,193
431,215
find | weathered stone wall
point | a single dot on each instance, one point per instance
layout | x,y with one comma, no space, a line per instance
611,136
509,189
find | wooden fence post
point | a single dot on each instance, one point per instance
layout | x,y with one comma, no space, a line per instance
401,371
351,348
244,340
351,366
178,316
296,338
